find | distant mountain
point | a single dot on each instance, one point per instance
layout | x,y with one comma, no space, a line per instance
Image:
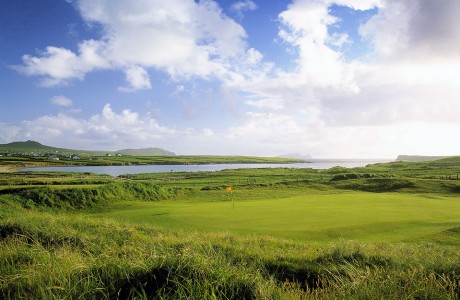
29,146
416,158
146,152
26,144
296,156
33,146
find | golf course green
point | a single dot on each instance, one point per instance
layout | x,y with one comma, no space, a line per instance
318,217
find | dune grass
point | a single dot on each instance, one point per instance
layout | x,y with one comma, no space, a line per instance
292,234
68,256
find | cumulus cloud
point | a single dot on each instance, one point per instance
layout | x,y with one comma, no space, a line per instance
358,4
403,92
137,78
274,134
407,74
304,25
263,126
416,30
244,5
240,7
107,130
181,38
58,66
61,101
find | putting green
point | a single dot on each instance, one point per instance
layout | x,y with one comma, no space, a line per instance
354,215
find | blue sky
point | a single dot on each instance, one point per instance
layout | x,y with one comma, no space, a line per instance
329,78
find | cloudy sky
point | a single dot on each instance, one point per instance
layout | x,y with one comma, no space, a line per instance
330,78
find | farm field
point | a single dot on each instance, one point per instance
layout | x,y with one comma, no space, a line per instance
385,231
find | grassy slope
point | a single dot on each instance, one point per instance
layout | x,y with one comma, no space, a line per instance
32,146
198,247
53,256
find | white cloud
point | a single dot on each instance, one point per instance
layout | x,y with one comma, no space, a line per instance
244,5
138,79
305,27
404,82
61,101
271,103
207,132
107,130
240,7
358,4
254,56
402,95
127,126
180,37
266,134
272,132
57,65
415,30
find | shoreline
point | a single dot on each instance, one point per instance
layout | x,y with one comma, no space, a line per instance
8,169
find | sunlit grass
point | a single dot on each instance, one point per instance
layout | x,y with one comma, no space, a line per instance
352,215
55,256
371,233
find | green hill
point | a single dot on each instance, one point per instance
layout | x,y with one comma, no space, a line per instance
146,152
418,158
30,147
451,161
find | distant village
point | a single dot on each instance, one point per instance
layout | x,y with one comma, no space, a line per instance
51,155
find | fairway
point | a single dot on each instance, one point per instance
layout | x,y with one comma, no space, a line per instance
317,217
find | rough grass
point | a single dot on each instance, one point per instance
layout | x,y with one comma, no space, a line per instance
371,236
69,256
89,197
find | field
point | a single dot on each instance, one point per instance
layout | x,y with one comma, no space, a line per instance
386,231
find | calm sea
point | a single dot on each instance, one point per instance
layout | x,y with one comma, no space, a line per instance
139,169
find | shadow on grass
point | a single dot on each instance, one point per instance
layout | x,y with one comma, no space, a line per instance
176,282
46,240
307,276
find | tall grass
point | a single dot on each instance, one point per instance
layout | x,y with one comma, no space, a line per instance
81,197
50,255
53,247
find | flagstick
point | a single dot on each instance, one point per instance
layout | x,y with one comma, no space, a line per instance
229,189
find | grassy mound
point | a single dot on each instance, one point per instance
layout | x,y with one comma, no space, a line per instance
81,198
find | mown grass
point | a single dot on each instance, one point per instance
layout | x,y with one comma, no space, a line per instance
312,217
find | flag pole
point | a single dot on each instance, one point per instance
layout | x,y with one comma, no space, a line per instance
229,189
233,202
